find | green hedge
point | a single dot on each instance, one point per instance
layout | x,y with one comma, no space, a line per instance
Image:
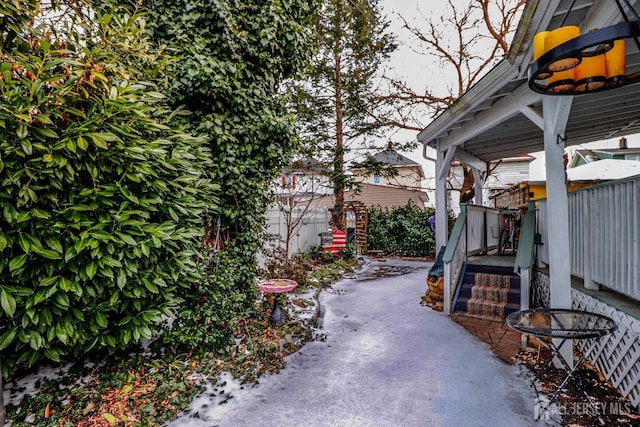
103,198
403,230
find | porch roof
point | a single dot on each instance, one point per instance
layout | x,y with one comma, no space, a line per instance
501,117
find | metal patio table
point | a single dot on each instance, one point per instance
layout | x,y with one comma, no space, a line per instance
563,324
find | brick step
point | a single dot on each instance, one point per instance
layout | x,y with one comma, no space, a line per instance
466,292
486,309
496,294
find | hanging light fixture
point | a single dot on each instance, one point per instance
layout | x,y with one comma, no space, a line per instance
566,62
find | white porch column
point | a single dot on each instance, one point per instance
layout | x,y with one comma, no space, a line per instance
441,199
556,111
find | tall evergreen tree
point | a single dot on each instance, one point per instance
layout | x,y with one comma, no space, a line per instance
337,100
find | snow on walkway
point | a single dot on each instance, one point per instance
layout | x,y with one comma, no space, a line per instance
386,361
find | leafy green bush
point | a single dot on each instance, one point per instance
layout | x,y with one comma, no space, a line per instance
103,200
232,60
208,316
402,230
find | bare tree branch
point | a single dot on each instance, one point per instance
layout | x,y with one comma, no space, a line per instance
466,43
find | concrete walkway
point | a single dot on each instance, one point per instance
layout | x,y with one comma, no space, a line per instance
386,361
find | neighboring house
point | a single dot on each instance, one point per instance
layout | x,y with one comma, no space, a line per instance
579,175
409,173
583,157
604,170
374,189
292,217
303,179
603,164
377,195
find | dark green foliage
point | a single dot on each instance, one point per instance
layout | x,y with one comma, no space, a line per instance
106,189
208,316
103,197
233,57
403,230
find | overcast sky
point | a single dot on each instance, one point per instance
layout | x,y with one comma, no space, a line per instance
417,69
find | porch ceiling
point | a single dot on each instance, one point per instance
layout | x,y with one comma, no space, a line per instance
497,117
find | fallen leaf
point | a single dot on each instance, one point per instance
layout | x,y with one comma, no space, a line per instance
90,406
110,418
47,411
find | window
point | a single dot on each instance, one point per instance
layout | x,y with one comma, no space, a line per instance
289,181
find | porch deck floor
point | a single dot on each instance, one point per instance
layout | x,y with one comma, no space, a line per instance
493,260
617,300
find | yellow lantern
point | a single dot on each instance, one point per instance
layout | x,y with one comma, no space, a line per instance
556,38
539,50
616,63
562,81
591,73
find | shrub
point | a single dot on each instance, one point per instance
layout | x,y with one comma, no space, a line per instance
103,201
401,230
207,317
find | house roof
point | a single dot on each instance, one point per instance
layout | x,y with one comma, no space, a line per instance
501,116
604,169
594,155
616,150
306,165
391,157
377,195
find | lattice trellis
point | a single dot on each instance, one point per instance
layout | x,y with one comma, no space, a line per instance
617,355
540,294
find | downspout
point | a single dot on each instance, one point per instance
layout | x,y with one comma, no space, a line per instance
478,181
442,215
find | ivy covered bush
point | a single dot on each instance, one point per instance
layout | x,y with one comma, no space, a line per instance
232,60
403,230
103,196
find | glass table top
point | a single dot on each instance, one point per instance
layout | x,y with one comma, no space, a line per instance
561,323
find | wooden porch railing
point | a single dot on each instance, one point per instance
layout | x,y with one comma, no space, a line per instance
604,232
454,257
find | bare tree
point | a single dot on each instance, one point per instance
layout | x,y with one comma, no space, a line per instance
466,42
302,184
